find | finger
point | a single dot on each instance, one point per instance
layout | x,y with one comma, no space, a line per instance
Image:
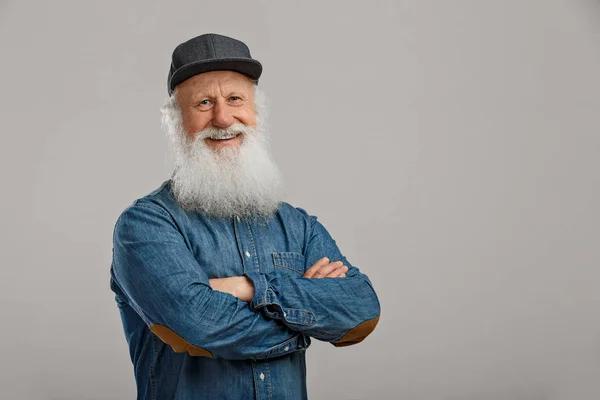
327,269
338,273
309,273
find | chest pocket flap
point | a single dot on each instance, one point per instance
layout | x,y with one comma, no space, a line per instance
290,261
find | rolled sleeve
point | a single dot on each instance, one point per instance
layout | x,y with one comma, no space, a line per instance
342,311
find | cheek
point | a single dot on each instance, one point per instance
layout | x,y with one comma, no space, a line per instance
249,117
251,121
194,122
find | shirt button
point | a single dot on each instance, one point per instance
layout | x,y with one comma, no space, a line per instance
262,376
284,314
238,218
286,348
247,254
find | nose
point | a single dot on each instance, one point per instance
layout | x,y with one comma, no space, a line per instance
222,115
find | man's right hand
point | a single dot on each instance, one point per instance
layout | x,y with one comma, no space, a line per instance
325,269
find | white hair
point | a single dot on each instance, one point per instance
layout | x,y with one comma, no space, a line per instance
227,182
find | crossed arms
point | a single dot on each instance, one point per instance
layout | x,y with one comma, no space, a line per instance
253,316
242,287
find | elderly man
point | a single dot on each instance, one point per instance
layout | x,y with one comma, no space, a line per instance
220,285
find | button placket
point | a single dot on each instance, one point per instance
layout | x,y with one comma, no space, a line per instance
245,243
251,253
262,380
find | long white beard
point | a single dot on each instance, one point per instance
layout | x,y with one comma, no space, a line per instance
230,182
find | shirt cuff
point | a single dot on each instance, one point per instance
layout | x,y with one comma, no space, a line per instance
262,295
266,299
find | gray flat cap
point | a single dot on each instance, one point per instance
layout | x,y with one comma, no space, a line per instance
211,52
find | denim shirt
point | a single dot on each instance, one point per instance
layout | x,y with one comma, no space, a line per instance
188,341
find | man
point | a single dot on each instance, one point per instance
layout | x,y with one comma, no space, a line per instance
220,285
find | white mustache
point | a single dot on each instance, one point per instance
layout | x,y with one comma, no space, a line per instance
218,133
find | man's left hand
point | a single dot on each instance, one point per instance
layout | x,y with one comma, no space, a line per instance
238,286
324,269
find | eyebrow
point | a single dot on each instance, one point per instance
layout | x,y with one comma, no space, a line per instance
202,95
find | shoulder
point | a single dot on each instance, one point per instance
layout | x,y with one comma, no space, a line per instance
288,210
157,205
159,199
298,216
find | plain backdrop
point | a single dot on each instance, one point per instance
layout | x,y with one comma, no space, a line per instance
450,147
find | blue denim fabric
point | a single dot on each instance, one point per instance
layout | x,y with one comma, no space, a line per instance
163,258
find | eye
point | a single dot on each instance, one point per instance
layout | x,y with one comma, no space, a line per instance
235,98
204,104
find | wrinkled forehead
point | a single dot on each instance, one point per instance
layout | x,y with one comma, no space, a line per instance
215,83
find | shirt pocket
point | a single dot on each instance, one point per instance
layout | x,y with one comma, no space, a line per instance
289,261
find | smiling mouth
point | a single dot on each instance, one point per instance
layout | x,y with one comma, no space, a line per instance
228,140
224,138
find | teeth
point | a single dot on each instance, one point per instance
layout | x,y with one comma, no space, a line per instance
223,137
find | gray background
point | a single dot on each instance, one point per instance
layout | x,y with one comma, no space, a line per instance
451,147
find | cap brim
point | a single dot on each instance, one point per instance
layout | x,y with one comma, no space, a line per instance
249,67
